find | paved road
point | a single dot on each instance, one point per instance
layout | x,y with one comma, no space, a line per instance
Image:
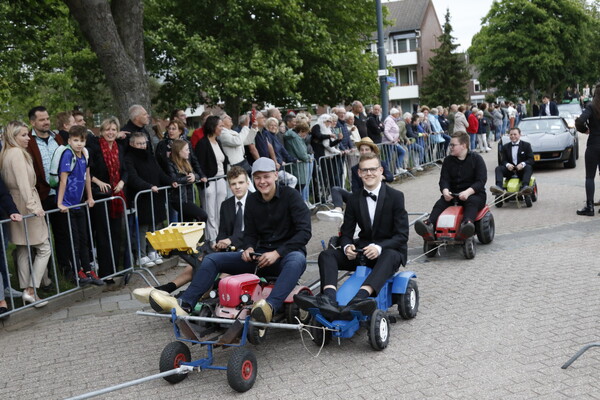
498,326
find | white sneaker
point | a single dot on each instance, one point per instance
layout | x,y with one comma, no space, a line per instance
488,149
400,171
146,262
155,257
419,168
331,216
12,291
310,206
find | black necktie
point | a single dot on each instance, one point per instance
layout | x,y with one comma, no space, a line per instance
239,219
369,194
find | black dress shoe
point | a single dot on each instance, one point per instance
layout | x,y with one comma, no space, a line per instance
364,306
467,229
328,307
3,311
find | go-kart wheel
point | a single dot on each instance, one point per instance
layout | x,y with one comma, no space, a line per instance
428,247
256,335
408,303
469,248
241,370
292,311
320,336
171,357
528,201
379,330
485,228
534,195
205,311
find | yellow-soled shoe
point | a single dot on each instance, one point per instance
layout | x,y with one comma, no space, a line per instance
143,294
163,302
262,311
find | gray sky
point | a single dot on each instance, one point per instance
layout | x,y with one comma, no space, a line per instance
465,18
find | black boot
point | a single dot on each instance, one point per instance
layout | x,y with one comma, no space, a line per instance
587,210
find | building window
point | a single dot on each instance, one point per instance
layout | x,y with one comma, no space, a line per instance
404,43
478,87
406,76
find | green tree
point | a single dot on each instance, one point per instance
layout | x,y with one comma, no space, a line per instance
244,51
447,80
544,46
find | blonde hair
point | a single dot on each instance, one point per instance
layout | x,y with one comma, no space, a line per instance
182,164
12,130
107,123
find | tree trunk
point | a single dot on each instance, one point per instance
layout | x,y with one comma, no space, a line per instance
232,108
532,93
116,36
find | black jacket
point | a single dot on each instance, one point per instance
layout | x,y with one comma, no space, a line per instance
7,205
390,223
524,154
458,175
207,158
131,128
553,109
98,166
374,128
163,152
185,194
144,173
316,141
227,221
587,120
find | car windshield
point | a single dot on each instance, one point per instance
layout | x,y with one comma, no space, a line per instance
573,108
550,125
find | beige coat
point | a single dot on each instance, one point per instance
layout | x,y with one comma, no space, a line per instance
19,177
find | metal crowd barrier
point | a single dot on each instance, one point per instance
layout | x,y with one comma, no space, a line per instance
73,257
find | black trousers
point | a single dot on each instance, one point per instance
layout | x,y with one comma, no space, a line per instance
592,164
60,232
190,212
108,239
383,267
524,174
472,205
78,241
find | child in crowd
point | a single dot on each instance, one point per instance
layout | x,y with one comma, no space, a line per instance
74,175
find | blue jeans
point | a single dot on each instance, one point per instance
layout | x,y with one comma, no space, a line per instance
288,269
473,137
401,152
417,150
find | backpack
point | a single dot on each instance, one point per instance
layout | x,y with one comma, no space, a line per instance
55,162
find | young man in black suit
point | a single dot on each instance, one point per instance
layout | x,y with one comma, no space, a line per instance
379,212
548,107
516,158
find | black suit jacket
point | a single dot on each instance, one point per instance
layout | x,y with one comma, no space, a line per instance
390,224
553,109
524,154
207,158
226,222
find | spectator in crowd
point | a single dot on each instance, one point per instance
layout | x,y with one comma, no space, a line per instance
451,115
416,149
341,195
64,122
109,177
460,121
296,147
443,120
143,174
360,120
482,131
346,145
262,144
391,135
79,118
31,235
512,115
438,131
497,118
213,162
155,135
380,214
463,172
7,208
352,129
281,239
138,119
374,124
231,231
74,172
175,130
473,128
181,171
290,121
282,156
233,142
179,115
199,133
42,146
323,140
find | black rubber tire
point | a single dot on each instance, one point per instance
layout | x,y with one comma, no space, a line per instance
528,201
292,311
171,357
485,228
257,335
572,163
205,311
427,246
241,370
534,195
469,248
408,303
379,330
317,333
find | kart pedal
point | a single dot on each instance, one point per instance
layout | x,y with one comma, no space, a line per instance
233,334
188,330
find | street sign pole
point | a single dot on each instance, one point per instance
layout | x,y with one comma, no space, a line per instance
382,73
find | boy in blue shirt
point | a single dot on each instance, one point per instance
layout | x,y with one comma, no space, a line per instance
74,178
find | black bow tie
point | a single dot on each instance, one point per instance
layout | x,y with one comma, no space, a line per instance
515,144
369,194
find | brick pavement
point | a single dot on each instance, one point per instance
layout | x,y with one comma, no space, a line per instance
498,326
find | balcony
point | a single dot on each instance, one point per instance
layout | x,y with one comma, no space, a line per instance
404,92
400,59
